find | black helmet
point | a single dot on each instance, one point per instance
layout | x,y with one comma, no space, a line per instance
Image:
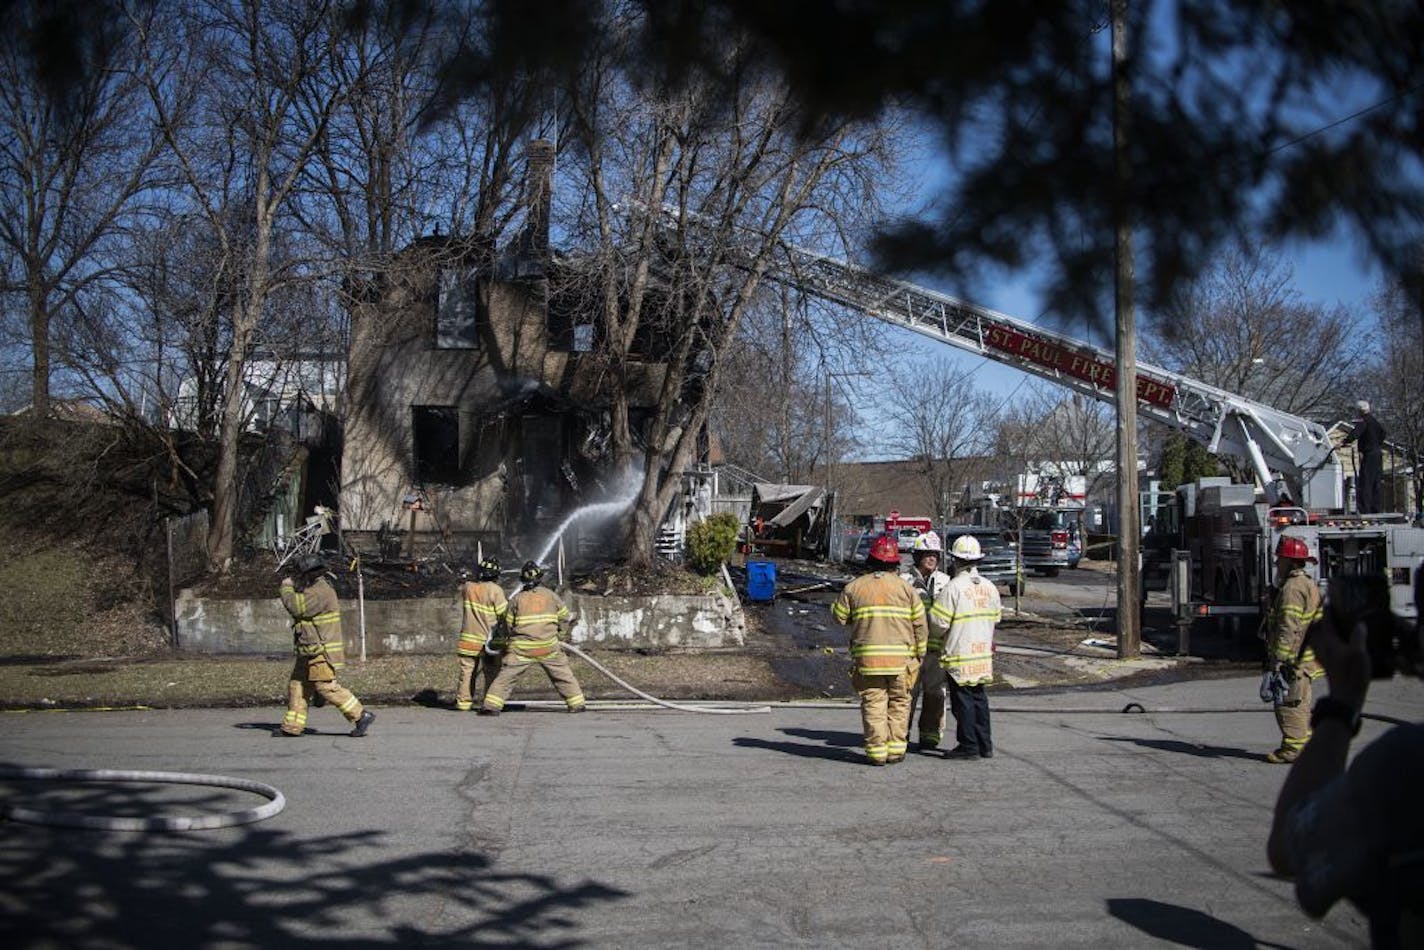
309,564
530,572
489,569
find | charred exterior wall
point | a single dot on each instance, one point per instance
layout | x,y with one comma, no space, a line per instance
468,415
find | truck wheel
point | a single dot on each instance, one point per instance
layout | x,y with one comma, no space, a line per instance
1049,571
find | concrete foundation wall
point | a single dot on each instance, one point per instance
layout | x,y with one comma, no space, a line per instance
432,625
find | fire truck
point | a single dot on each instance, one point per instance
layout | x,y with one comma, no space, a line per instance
1217,539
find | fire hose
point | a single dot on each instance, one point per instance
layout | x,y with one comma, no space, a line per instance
161,822
725,709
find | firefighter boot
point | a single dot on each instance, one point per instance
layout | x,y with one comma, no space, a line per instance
363,724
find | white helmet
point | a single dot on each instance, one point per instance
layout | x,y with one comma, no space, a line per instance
966,548
928,543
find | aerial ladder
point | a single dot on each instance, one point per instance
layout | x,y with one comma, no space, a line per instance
1278,445
1289,455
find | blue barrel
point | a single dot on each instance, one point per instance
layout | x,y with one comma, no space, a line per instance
761,580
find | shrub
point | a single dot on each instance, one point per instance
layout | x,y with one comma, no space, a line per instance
712,541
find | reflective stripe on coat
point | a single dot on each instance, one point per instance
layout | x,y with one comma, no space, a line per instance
537,617
316,621
886,617
974,609
484,606
934,592
1296,606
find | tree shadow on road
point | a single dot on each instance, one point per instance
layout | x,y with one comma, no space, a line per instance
1183,925
1190,748
835,745
261,887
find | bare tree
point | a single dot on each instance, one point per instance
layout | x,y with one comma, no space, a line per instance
243,96
1070,435
944,424
1243,328
718,177
784,405
1393,383
76,163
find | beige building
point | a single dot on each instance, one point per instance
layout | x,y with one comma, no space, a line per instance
474,413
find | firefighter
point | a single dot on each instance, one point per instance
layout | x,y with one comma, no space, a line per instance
887,643
481,632
971,613
320,650
1295,606
1368,435
932,585
536,619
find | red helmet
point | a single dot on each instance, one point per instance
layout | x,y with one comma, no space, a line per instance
1294,548
884,549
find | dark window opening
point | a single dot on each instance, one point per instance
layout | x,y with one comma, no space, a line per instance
571,320
436,431
459,310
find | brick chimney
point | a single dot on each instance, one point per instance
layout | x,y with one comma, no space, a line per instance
538,193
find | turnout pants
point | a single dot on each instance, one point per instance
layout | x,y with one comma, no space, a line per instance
970,706
312,676
1293,716
555,666
1369,486
932,697
472,668
884,714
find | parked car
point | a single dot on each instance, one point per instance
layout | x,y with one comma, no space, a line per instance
907,535
1000,561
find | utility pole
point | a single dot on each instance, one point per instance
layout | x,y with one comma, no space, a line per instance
829,462
1129,579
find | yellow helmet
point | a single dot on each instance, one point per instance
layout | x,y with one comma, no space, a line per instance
966,548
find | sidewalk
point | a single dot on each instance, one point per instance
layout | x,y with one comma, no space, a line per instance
1090,827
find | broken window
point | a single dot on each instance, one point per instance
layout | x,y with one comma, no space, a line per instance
436,436
570,318
459,310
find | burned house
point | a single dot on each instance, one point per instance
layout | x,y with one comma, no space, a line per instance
474,413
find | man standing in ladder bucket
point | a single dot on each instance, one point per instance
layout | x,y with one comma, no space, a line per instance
887,642
536,619
972,610
484,609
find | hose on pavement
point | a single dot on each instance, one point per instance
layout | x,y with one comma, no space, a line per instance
161,822
721,709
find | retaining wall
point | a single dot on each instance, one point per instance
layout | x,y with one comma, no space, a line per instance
431,625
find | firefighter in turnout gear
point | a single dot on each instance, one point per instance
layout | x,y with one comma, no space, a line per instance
1295,606
932,584
887,644
536,619
320,650
481,632
971,611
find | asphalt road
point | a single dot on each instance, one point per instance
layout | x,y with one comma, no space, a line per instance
1090,827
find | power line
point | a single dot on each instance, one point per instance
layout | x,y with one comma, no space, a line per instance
1349,118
